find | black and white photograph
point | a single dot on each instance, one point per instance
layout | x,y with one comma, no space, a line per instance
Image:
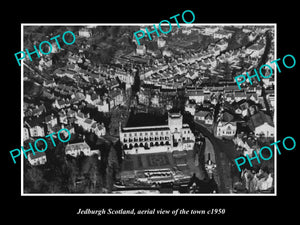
160,116
139,112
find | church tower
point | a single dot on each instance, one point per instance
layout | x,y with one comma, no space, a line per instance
175,122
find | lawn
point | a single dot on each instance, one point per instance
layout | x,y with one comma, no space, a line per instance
184,161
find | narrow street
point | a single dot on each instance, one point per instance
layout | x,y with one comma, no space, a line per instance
120,114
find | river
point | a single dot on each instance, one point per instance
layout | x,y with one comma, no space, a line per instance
224,154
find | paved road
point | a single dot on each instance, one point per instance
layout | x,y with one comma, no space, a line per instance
224,153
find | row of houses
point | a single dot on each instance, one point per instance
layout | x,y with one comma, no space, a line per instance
226,124
234,99
260,124
41,126
74,149
203,65
230,94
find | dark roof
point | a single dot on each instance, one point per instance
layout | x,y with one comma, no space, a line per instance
256,47
195,92
87,120
227,117
240,94
35,122
245,103
202,113
229,106
94,96
231,88
145,119
77,146
259,119
37,155
141,129
49,118
250,142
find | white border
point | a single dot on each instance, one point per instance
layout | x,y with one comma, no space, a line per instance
147,24
22,111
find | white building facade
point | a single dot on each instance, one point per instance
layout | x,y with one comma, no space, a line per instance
266,130
39,158
76,149
154,139
225,129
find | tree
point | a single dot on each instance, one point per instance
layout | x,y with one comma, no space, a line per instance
54,186
70,174
114,31
33,180
112,169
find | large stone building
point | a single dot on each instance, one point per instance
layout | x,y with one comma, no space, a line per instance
175,136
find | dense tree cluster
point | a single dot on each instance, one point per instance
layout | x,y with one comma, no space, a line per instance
83,174
106,40
99,48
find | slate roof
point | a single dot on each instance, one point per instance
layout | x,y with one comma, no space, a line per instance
37,155
35,122
202,113
195,92
239,94
88,121
144,129
94,96
227,117
49,118
77,146
256,47
259,119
